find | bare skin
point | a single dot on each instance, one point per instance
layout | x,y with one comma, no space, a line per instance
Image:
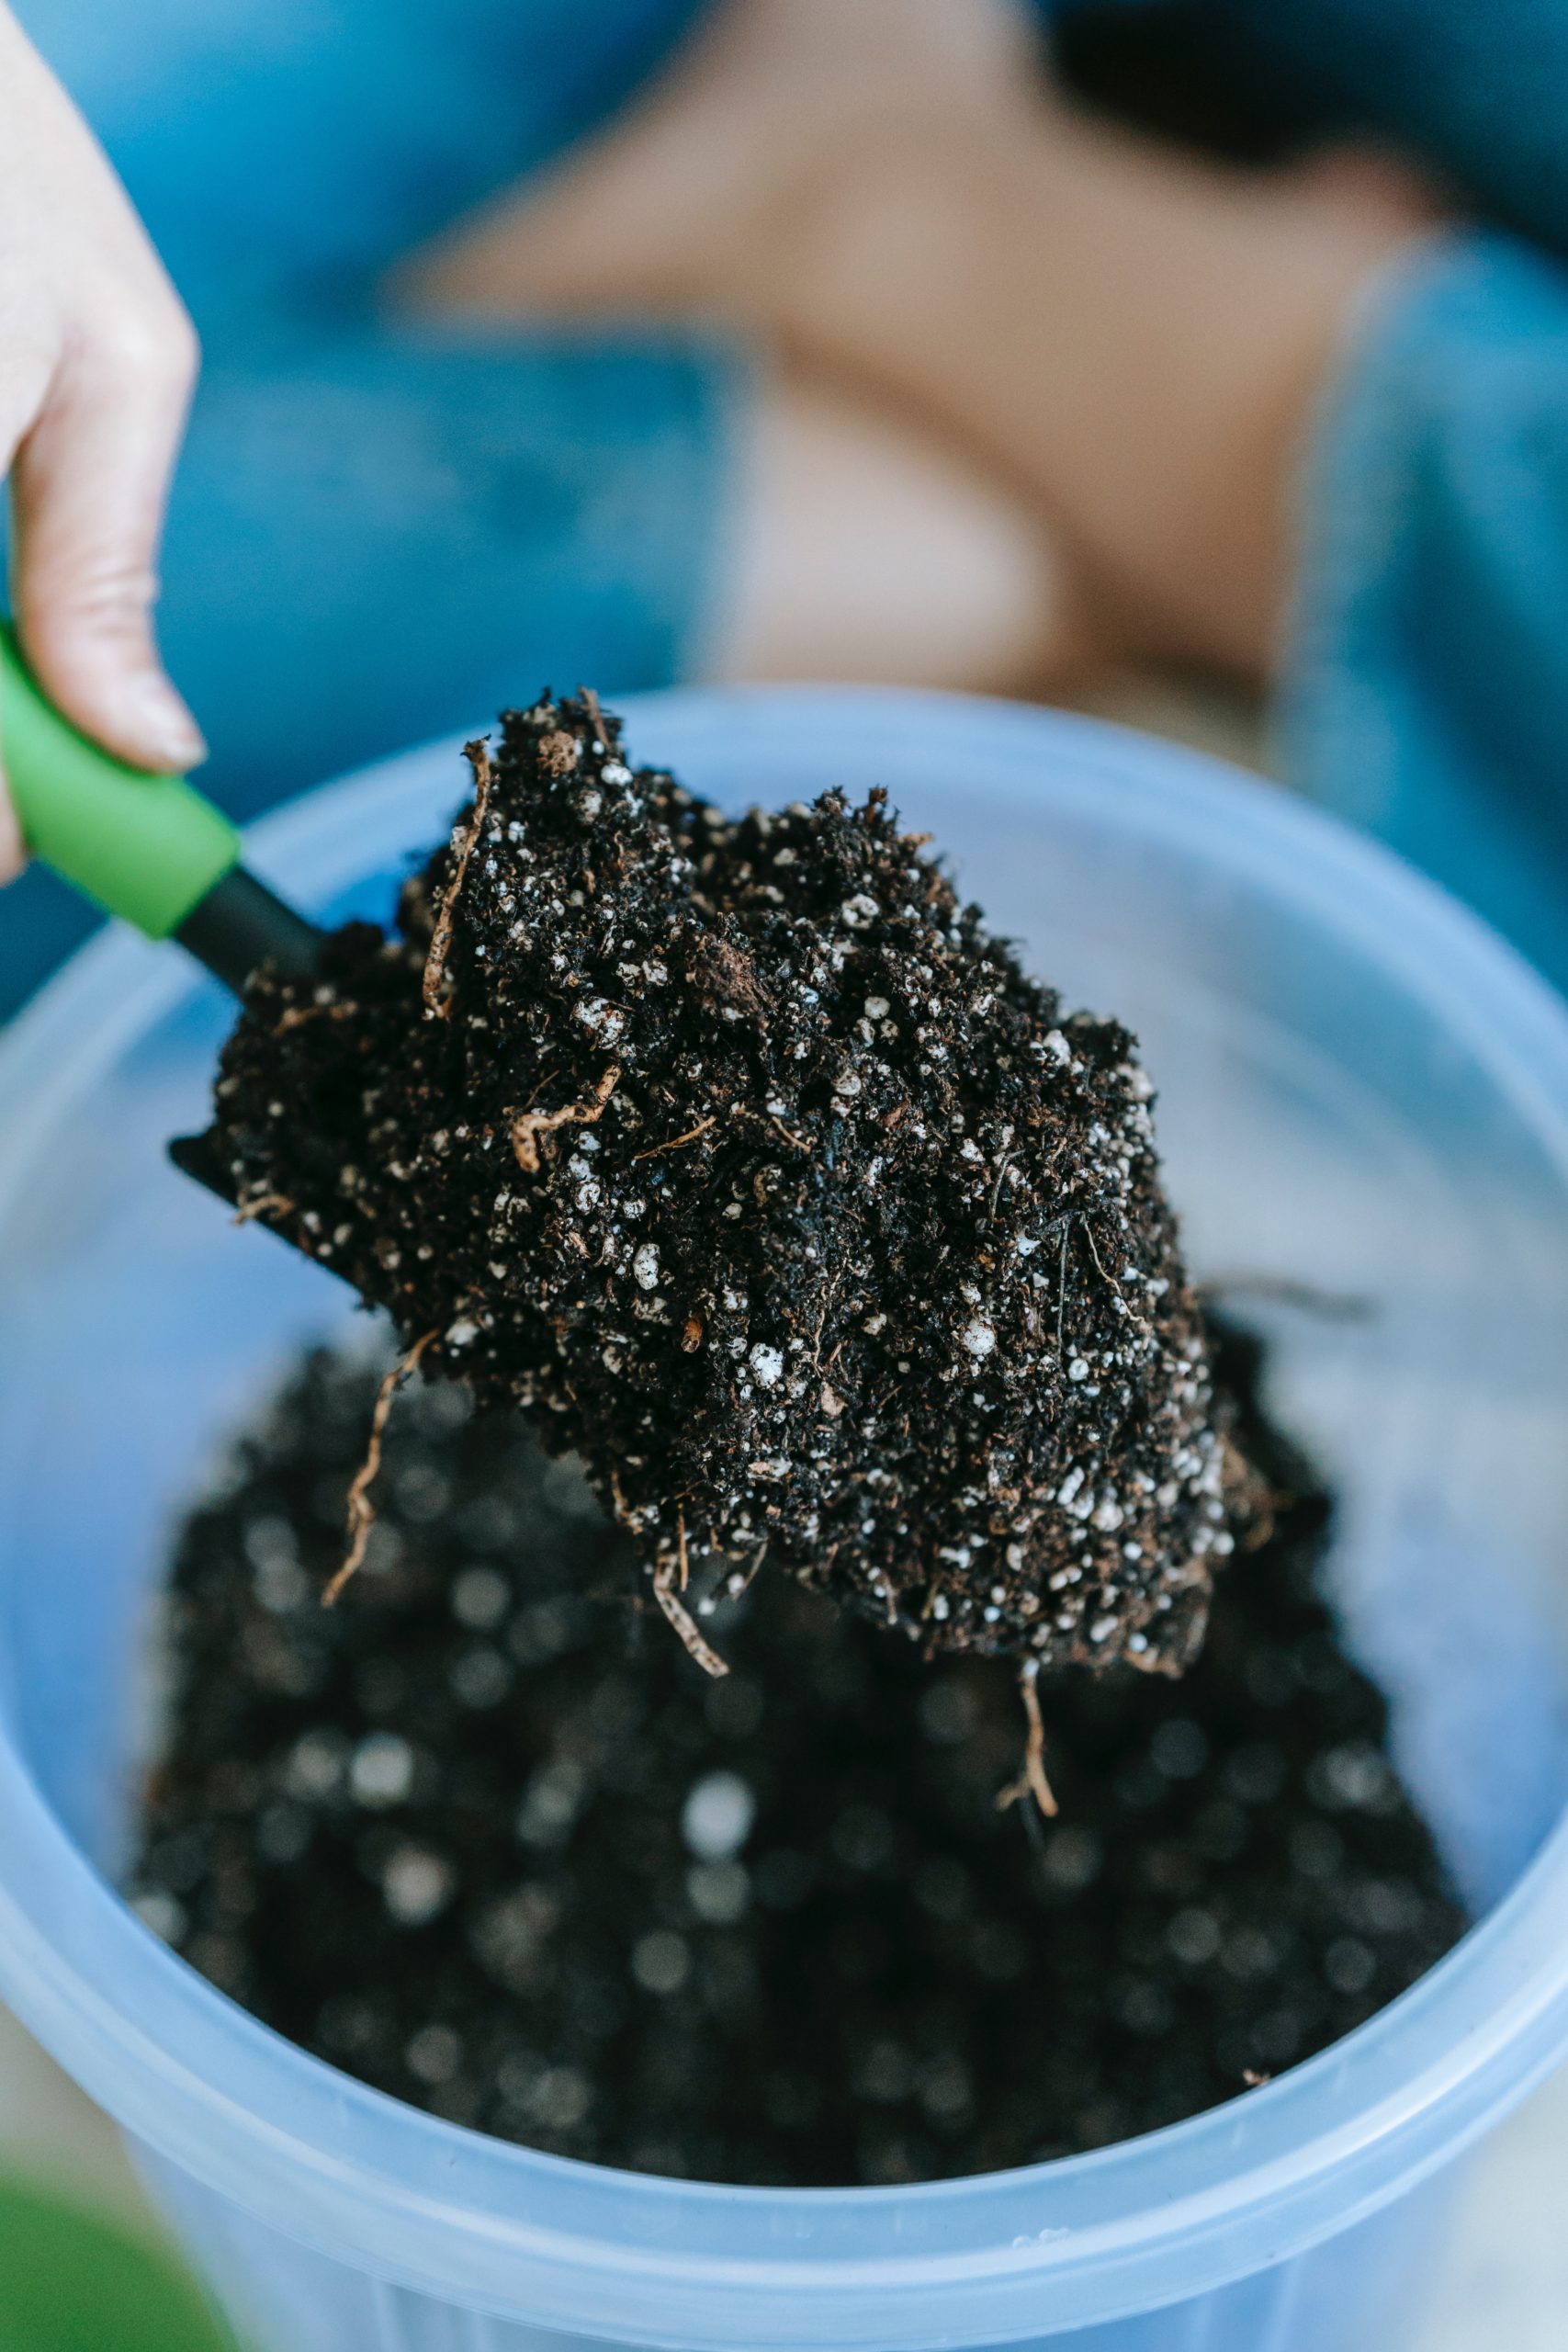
867,544
96,362
1128,344
670,205
867,548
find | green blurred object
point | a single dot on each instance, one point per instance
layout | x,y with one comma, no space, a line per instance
73,2282
147,848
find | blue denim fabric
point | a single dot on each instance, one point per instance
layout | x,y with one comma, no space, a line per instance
1427,693
1426,688
283,149
1478,87
378,533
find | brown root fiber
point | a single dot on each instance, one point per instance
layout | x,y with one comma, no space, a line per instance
361,1509
906,1305
478,756
529,1125
1032,1781
666,1592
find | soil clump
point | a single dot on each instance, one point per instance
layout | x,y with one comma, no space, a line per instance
740,1156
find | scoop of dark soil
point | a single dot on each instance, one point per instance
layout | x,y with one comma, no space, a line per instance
489,1840
742,1156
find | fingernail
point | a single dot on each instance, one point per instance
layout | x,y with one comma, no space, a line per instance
169,729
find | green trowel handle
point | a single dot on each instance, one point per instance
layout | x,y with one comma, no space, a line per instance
147,848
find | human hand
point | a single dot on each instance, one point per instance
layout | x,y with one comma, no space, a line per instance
97,363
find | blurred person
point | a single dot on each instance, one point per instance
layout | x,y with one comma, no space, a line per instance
797,337
1297,410
381,527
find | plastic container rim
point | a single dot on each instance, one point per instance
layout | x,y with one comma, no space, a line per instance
646,2259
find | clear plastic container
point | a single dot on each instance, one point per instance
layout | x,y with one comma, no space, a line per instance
1364,1110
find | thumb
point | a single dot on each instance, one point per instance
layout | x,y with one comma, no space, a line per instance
87,491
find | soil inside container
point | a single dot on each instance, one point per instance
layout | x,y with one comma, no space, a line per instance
486,1837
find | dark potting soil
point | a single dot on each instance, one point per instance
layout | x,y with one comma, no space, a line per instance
746,1159
486,1836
